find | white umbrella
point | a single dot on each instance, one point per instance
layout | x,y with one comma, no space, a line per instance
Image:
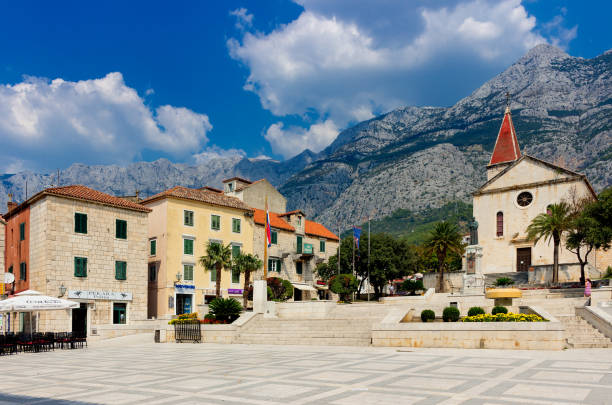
30,301
419,275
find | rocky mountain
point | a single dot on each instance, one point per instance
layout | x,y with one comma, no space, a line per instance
410,158
419,157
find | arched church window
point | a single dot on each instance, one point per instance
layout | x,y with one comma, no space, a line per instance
524,199
500,223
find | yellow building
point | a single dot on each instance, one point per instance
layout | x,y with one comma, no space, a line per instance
182,222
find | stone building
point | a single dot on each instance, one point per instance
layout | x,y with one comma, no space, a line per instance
2,251
518,188
84,245
298,244
182,222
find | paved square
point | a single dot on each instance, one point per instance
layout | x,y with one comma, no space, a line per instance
134,370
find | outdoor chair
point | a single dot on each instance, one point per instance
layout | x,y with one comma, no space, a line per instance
8,344
80,340
64,339
25,342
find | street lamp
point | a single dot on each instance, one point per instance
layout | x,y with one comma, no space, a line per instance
62,290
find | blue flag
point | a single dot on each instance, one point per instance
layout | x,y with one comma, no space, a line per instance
356,235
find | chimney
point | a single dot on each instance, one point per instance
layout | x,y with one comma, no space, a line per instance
10,204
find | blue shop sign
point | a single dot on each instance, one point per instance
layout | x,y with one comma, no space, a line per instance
184,288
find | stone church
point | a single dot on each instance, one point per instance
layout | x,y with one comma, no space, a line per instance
518,188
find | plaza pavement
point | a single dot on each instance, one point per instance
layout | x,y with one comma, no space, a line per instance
133,370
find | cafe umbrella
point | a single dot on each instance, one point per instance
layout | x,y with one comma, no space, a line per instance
33,301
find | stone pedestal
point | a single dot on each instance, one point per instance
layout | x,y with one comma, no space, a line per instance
473,279
260,296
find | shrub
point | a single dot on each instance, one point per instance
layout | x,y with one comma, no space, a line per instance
499,310
225,309
450,314
503,281
428,315
412,286
344,285
608,272
503,317
287,290
475,311
279,289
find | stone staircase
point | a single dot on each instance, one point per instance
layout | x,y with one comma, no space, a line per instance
580,334
332,332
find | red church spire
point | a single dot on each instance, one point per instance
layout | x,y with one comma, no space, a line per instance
506,147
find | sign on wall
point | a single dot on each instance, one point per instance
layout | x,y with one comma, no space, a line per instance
100,295
184,289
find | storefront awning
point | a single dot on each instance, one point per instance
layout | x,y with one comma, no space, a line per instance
304,287
321,287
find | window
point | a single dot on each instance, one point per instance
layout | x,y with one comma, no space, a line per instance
230,187
120,229
213,276
322,246
524,199
188,218
299,244
80,267
215,222
235,272
235,250
11,269
274,237
500,224
120,270
80,223
298,267
299,220
22,231
274,264
153,247
23,271
152,272
188,246
236,225
188,272
119,313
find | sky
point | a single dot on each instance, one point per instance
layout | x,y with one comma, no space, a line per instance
116,82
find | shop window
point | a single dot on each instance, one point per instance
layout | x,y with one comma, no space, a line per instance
119,313
80,267
80,223
120,229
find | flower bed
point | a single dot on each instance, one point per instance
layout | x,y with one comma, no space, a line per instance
501,317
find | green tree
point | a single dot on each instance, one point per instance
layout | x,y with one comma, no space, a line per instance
246,263
551,226
326,270
444,239
217,258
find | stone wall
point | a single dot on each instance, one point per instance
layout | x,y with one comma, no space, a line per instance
2,245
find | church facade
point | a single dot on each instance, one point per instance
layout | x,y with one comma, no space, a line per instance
519,187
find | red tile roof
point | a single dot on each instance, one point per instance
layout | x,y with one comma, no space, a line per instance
216,190
236,178
316,229
275,220
202,195
80,192
292,212
506,147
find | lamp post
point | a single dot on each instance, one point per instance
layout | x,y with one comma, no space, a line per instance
62,290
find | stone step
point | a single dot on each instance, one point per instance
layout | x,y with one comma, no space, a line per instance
591,346
305,335
309,341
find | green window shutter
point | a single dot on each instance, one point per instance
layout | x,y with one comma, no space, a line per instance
213,275
152,272
188,272
298,267
235,225
80,223
188,246
22,231
23,271
274,237
215,222
322,246
120,270
299,244
188,218
235,276
270,268
120,229
278,265
153,250
235,250
80,267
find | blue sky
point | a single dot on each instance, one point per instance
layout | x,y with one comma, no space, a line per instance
116,82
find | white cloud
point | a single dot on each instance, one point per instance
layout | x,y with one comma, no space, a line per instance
149,92
214,152
342,62
244,20
50,124
293,140
560,36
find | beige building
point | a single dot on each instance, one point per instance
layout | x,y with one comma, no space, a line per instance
2,251
298,244
518,188
182,222
84,245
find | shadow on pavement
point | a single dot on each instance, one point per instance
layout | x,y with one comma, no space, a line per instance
21,399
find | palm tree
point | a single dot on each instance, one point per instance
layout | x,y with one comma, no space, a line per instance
246,263
551,225
443,239
217,258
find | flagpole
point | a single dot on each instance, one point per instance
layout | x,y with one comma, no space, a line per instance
265,275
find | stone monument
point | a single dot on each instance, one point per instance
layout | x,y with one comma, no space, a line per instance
473,279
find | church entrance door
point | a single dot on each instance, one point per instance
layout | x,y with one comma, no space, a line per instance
523,259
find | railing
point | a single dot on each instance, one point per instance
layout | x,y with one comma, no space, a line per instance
188,330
